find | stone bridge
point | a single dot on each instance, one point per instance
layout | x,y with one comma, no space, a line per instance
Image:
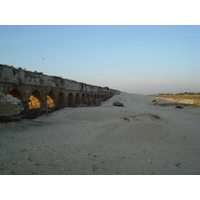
41,93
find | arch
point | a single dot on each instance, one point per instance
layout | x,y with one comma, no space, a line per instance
77,99
51,100
87,101
98,101
61,99
15,93
35,100
91,99
106,96
83,99
95,99
70,99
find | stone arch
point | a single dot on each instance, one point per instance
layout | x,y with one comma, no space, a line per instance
77,99
70,99
91,99
98,101
61,99
95,99
106,97
83,99
15,93
35,100
87,101
51,100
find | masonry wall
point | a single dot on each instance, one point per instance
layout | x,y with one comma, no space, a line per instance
51,92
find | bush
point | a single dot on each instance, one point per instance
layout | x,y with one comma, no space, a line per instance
126,119
117,103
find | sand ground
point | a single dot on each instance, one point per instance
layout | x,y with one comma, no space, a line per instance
139,138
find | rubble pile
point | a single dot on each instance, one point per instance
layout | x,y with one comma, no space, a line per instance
10,107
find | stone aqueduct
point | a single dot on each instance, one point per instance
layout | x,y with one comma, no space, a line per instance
41,93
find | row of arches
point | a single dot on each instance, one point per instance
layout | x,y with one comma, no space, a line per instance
36,101
84,99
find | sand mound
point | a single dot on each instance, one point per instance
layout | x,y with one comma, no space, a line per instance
139,138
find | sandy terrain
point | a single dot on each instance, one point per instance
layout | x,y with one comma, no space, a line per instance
184,98
139,138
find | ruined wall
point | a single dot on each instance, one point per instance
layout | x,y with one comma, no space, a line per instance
39,92
19,76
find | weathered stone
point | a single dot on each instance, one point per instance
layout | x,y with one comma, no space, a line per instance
40,93
9,107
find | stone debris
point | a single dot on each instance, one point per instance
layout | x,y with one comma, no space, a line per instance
9,106
181,107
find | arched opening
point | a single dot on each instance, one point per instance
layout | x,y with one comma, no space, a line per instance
70,99
95,99
35,100
87,101
98,101
91,99
106,97
77,100
15,93
83,99
51,100
61,99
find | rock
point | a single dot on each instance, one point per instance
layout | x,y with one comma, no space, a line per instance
181,107
154,102
9,108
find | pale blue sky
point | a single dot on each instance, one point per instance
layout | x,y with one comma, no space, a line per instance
136,59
